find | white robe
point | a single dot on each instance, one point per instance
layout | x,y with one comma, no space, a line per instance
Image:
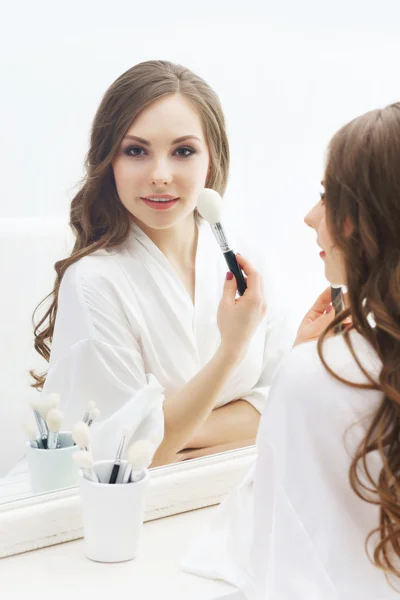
294,529
127,332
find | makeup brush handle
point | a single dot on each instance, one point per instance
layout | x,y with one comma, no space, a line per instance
338,305
127,474
236,270
52,440
114,473
91,475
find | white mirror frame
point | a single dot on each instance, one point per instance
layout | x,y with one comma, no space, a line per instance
48,519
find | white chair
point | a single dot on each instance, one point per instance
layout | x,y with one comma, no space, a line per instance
29,248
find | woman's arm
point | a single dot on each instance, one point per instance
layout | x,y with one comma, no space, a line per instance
189,408
232,423
237,319
199,452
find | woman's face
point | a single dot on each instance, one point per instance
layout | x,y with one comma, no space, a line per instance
330,254
162,163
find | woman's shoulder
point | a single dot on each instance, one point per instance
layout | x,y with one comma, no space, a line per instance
94,269
303,365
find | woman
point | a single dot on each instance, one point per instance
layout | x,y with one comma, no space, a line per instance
320,514
136,322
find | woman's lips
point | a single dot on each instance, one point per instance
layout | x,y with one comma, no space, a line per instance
322,254
163,203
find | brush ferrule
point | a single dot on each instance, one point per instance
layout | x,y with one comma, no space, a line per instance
41,424
220,236
337,299
120,451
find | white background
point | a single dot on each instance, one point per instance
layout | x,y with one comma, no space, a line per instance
288,74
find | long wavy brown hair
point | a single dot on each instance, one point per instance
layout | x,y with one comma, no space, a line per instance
97,216
362,185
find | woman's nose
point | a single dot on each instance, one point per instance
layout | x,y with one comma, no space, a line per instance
311,218
307,219
160,175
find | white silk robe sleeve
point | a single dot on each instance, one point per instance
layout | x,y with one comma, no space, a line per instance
294,529
96,356
278,342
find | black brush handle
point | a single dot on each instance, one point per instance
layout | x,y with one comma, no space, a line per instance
338,305
236,270
114,473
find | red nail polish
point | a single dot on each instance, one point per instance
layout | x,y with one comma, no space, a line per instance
229,275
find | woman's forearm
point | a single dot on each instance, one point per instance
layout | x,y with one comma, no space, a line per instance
187,409
209,450
228,424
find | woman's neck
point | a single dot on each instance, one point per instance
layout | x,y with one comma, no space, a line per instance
178,243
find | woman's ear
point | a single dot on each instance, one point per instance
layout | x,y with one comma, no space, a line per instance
348,227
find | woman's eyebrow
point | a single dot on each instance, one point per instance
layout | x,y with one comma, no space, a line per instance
176,141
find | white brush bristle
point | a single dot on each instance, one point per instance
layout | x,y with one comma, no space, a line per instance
84,459
54,400
81,434
209,205
35,404
54,419
140,454
44,405
94,413
127,431
30,429
91,405
40,407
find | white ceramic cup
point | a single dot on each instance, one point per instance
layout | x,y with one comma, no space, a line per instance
112,514
53,469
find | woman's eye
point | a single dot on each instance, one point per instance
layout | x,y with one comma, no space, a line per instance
185,151
322,196
135,151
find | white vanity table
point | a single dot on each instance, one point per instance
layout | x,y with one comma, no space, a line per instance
154,575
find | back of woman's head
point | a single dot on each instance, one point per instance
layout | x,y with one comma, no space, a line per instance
362,199
97,216
362,187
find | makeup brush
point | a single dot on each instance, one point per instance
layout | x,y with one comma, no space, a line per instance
90,406
338,304
51,401
44,405
41,425
30,431
84,460
81,435
94,413
140,456
126,433
54,419
209,205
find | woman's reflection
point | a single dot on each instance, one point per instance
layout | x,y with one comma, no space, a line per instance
144,319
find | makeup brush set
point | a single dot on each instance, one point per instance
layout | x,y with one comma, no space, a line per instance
45,435
113,494
139,457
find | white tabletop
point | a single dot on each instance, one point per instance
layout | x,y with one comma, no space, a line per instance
53,572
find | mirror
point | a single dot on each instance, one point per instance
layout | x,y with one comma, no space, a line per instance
279,120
